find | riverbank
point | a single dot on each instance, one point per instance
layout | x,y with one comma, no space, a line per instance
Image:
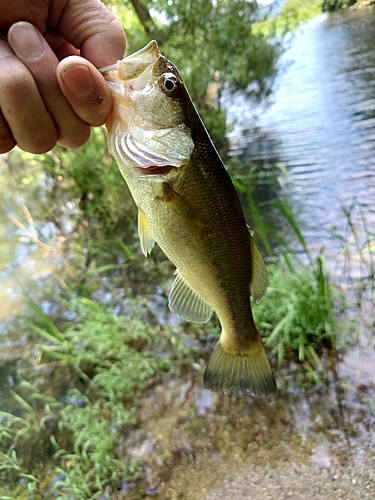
361,5
101,387
309,442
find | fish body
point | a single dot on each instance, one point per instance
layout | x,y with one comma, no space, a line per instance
188,205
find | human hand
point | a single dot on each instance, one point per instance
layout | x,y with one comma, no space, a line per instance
44,101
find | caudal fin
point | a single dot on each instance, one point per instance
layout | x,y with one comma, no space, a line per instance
246,371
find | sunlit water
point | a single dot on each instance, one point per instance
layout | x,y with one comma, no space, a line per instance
319,124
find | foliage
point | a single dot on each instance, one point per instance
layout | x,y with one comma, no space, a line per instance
298,313
296,12
292,14
92,176
85,427
212,43
332,5
86,202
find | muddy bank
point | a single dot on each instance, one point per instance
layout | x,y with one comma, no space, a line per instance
309,443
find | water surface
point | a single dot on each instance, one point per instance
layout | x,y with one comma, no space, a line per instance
319,124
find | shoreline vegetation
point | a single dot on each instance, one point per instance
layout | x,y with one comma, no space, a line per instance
295,13
77,401
98,353
361,5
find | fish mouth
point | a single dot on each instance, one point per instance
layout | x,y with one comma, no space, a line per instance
132,67
151,149
157,169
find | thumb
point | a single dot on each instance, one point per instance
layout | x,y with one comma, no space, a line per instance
93,29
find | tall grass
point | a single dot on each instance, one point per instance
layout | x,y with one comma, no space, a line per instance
358,249
298,314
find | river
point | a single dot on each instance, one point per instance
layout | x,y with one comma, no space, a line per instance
318,127
319,124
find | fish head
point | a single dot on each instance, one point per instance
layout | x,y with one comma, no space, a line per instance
147,130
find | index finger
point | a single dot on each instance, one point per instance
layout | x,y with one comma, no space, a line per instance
95,31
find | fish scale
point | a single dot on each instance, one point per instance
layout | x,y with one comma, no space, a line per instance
188,205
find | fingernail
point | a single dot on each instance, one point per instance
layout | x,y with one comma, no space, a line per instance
26,41
78,80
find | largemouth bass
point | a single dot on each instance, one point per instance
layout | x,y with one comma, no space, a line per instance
188,205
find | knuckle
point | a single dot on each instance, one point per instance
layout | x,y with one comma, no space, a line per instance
75,139
41,142
17,81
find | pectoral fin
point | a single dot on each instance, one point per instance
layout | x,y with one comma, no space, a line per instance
259,277
178,204
145,236
186,303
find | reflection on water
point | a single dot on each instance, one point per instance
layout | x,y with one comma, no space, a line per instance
320,123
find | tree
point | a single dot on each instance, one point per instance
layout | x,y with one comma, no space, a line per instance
216,44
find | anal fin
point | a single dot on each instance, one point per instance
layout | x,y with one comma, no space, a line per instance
186,303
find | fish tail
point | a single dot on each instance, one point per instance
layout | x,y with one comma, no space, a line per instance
249,371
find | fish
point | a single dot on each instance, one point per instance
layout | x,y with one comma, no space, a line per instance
188,205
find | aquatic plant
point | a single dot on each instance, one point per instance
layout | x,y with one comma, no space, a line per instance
297,315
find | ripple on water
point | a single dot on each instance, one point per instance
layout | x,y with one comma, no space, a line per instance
319,122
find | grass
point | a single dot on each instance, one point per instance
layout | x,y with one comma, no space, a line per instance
358,250
106,361
299,313
74,405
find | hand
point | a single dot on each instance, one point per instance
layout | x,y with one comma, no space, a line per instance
44,101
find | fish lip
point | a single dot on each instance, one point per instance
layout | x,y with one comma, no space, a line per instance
135,64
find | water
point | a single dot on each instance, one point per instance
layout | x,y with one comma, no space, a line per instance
319,124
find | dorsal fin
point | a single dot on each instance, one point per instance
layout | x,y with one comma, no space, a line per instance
259,275
186,303
144,231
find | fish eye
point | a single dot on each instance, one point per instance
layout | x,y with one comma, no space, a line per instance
170,83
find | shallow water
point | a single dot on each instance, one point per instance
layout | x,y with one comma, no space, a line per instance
319,125
317,443
311,443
